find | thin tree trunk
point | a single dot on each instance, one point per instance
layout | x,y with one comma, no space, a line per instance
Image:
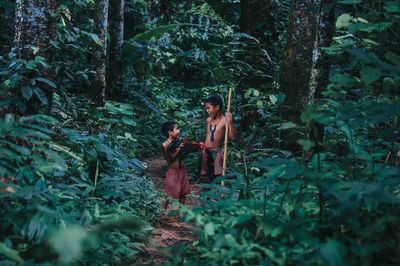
115,69
326,29
245,16
319,77
164,8
98,88
34,32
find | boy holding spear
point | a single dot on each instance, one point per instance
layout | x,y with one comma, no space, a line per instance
219,129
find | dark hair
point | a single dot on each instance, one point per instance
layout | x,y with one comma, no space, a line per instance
167,127
214,100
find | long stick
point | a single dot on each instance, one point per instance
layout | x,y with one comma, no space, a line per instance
227,133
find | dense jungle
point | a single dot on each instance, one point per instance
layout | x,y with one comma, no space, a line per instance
94,94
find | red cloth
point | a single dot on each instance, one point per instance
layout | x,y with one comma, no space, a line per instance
177,182
218,156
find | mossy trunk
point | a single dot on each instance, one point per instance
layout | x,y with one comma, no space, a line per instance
98,88
34,32
304,71
115,67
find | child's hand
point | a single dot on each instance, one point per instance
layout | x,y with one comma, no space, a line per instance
202,145
180,147
228,117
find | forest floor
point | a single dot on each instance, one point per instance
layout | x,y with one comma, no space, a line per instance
170,229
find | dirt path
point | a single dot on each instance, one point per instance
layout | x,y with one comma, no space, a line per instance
170,230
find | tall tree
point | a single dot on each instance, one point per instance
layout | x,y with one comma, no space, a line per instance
34,31
116,29
303,71
98,88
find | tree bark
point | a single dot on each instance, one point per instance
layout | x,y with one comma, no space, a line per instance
98,88
34,27
115,68
320,70
245,15
34,31
303,73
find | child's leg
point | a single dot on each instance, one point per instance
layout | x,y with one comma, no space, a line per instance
182,200
166,205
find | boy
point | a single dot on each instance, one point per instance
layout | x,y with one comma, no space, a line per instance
177,179
213,155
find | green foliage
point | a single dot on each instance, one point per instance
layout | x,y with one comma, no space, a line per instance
23,84
154,33
336,204
56,187
73,189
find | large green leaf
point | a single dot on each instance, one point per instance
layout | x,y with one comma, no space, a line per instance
41,95
334,253
370,74
343,21
393,58
48,82
154,33
349,2
10,253
368,57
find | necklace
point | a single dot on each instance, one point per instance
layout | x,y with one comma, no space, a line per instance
212,130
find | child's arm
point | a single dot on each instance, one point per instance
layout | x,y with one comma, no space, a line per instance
170,156
167,155
207,123
232,130
175,153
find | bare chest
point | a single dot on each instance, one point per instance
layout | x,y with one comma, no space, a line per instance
215,134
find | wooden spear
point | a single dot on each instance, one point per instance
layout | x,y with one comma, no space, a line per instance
226,134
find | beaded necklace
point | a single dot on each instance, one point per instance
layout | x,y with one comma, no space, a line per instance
212,130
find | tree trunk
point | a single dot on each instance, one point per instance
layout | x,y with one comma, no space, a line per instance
245,16
320,71
115,69
34,32
303,72
98,88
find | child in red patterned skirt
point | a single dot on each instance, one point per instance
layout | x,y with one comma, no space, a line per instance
177,179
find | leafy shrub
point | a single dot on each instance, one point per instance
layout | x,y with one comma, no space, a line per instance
336,204
66,180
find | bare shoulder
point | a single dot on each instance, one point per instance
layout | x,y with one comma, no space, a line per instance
223,121
164,145
208,120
